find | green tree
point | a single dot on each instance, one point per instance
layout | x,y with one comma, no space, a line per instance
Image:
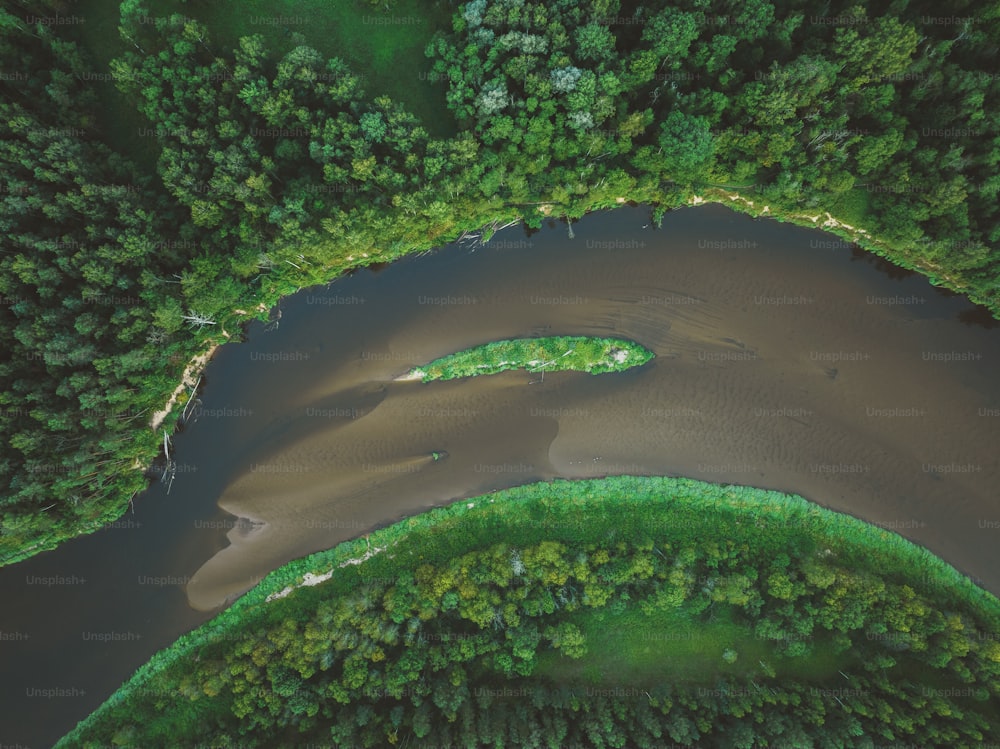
686,146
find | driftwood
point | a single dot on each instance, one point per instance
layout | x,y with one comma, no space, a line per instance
194,392
170,470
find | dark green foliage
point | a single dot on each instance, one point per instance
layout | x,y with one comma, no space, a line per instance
889,123
447,635
91,335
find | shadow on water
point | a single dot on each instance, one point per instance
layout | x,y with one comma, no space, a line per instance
979,316
881,264
965,311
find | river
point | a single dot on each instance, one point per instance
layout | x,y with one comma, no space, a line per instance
784,359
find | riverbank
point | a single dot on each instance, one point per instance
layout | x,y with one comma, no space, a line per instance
548,354
189,379
824,221
659,525
259,311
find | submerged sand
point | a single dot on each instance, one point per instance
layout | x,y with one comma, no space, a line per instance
777,365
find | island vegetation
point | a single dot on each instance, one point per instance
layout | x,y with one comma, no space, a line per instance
549,354
287,156
629,611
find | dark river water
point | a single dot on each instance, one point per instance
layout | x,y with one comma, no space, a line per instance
784,359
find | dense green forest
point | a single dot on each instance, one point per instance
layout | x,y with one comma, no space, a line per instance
606,613
91,328
278,167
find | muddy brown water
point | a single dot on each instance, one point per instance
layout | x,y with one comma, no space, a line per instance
783,360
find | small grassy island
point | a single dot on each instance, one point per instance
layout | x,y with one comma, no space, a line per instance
617,612
551,354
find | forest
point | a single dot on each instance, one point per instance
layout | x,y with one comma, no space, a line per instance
617,612
276,168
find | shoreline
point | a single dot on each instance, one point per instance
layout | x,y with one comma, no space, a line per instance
861,237
195,367
439,533
414,375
